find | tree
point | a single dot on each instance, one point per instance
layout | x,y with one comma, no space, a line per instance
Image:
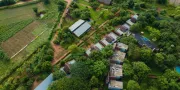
46,66
146,54
127,69
135,28
162,1
94,5
107,51
94,82
154,33
35,9
73,48
133,85
7,2
159,59
69,84
99,69
46,2
81,70
61,5
163,83
170,60
141,70
58,74
3,56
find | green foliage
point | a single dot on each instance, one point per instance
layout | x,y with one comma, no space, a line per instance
61,5
83,14
99,68
159,59
69,84
141,70
133,85
81,70
58,75
94,5
94,81
127,69
3,56
154,33
146,55
7,2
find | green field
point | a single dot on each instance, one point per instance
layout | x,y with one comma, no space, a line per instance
14,20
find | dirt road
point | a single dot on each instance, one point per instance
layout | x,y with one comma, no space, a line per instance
58,50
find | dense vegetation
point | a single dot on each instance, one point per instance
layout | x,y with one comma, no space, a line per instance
143,68
87,73
38,68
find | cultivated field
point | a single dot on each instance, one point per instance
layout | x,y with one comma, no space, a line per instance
17,26
20,39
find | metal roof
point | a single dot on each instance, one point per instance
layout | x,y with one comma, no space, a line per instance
82,29
76,25
44,85
99,46
129,22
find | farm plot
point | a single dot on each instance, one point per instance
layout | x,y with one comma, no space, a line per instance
8,31
20,39
14,20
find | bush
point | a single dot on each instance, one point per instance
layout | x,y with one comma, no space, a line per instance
177,17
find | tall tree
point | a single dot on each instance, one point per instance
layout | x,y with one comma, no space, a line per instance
141,70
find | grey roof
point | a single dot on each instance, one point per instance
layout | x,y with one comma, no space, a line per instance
129,22
135,16
76,25
127,26
82,29
44,85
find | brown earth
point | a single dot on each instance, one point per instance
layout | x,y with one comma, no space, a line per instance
19,40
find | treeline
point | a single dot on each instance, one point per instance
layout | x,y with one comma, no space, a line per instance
7,2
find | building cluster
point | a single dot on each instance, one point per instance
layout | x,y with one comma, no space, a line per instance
114,78
112,36
116,72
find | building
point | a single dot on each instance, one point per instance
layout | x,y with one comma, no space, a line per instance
134,18
67,66
45,84
108,2
99,46
122,47
109,39
129,22
118,57
116,72
119,32
115,85
91,49
80,27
